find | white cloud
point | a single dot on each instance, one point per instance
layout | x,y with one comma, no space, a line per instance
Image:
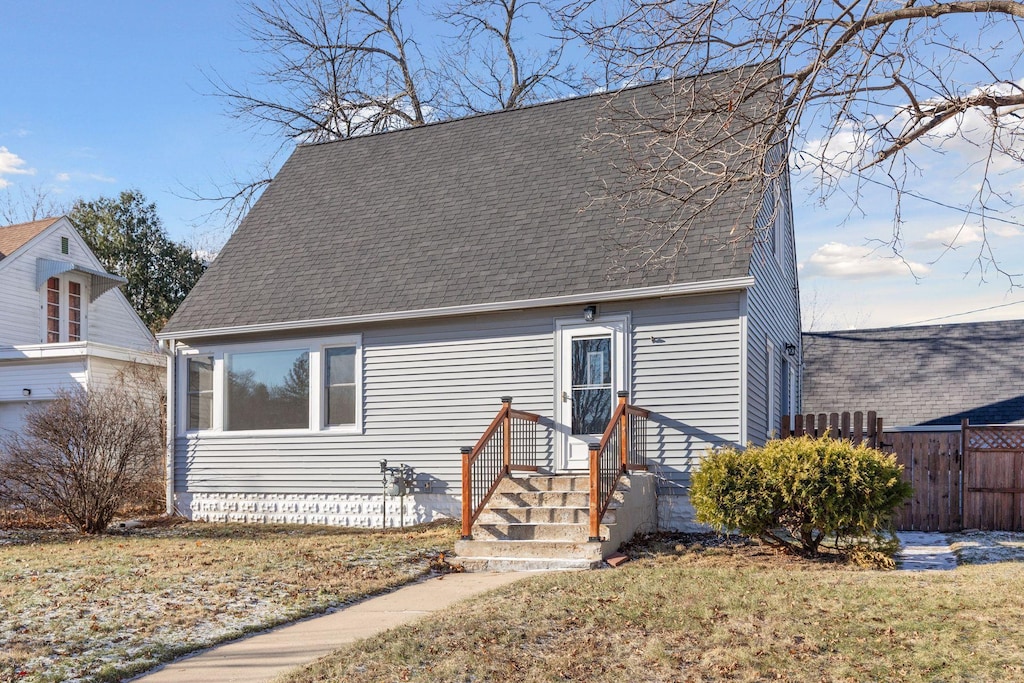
63,177
958,235
12,164
836,156
850,262
100,178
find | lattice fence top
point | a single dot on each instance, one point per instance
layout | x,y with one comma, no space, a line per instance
996,438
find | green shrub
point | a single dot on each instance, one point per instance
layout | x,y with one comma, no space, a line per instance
808,489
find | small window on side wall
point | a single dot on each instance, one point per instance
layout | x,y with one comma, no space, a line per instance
200,392
340,386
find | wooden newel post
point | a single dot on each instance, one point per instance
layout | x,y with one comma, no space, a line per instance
467,494
595,474
623,431
506,433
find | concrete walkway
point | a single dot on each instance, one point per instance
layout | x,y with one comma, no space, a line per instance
266,656
924,551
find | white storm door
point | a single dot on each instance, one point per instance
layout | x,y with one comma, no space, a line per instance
591,370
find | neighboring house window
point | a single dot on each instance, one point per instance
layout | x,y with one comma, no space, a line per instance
267,390
65,315
340,386
308,385
74,311
53,310
200,392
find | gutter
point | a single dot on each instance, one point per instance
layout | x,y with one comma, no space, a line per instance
661,291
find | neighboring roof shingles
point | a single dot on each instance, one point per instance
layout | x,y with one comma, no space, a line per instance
932,375
498,207
13,237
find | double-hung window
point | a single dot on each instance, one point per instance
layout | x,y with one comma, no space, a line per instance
308,385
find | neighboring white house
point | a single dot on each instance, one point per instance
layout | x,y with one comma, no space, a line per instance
63,320
387,290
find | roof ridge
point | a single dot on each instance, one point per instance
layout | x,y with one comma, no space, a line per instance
534,105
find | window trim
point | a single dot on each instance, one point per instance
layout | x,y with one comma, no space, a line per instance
317,405
187,392
772,373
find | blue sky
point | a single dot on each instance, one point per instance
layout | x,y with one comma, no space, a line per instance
101,96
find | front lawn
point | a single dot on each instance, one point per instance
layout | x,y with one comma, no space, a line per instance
100,608
689,612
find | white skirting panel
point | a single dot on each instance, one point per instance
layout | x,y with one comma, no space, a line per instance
328,509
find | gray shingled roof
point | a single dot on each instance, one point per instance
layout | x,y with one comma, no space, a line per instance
932,375
491,208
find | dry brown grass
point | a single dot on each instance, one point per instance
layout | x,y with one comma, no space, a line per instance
98,608
693,613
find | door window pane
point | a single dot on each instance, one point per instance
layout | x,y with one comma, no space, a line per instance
340,385
591,384
200,392
267,390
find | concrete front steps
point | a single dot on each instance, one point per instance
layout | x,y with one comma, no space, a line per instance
542,522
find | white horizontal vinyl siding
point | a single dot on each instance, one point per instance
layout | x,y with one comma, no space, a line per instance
43,378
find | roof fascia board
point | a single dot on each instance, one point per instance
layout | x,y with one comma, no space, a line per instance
660,291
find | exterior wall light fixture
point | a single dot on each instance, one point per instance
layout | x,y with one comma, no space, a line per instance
26,392
589,313
790,349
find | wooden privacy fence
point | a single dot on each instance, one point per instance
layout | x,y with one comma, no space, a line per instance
837,425
971,478
993,476
931,464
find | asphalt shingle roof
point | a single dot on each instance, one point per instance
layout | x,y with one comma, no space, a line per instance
13,237
491,208
933,375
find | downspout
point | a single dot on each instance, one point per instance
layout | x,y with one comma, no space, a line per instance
171,412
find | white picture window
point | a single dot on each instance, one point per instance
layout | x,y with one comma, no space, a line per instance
305,385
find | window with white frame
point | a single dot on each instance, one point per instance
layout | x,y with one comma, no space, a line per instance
199,392
63,310
298,385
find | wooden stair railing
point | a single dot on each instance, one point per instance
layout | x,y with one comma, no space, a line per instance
509,444
623,447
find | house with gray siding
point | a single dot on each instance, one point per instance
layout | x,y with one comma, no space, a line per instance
386,291
63,321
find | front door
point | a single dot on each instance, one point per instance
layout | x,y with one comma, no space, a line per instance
591,369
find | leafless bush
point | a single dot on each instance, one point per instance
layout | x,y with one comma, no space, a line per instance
87,454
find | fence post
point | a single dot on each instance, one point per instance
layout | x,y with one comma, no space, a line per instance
623,432
506,432
467,494
784,428
872,426
595,475
798,425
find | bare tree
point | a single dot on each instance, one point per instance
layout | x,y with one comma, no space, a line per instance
86,454
29,204
333,69
489,66
863,87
